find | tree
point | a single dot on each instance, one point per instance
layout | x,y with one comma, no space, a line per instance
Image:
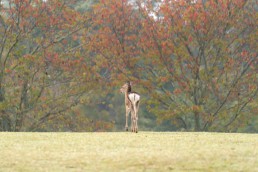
113,39
203,59
43,72
196,60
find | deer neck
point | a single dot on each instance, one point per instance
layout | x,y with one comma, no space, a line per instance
127,101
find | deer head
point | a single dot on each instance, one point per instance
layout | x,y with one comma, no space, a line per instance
126,87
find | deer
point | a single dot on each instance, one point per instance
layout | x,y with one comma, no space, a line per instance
132,101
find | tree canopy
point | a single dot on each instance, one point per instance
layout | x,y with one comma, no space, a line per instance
62,62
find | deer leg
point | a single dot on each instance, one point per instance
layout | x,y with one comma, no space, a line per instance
136,116
133,121
134,127
135,124
126,119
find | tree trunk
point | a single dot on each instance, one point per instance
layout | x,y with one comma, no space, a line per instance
1,94
5,122
18,123
23,105
197,121
2,97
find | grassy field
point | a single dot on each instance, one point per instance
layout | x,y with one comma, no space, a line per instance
121,151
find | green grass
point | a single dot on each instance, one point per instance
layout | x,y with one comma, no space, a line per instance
145,151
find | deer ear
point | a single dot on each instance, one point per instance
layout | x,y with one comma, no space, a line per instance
131,83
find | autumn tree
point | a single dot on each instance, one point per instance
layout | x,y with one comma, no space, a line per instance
196,60
113,41
44,72
202,62
114,38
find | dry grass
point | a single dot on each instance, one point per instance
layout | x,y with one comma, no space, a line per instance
145,151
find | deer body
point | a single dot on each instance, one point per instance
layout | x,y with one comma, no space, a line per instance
132,100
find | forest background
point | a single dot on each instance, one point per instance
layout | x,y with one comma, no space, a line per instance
194,64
